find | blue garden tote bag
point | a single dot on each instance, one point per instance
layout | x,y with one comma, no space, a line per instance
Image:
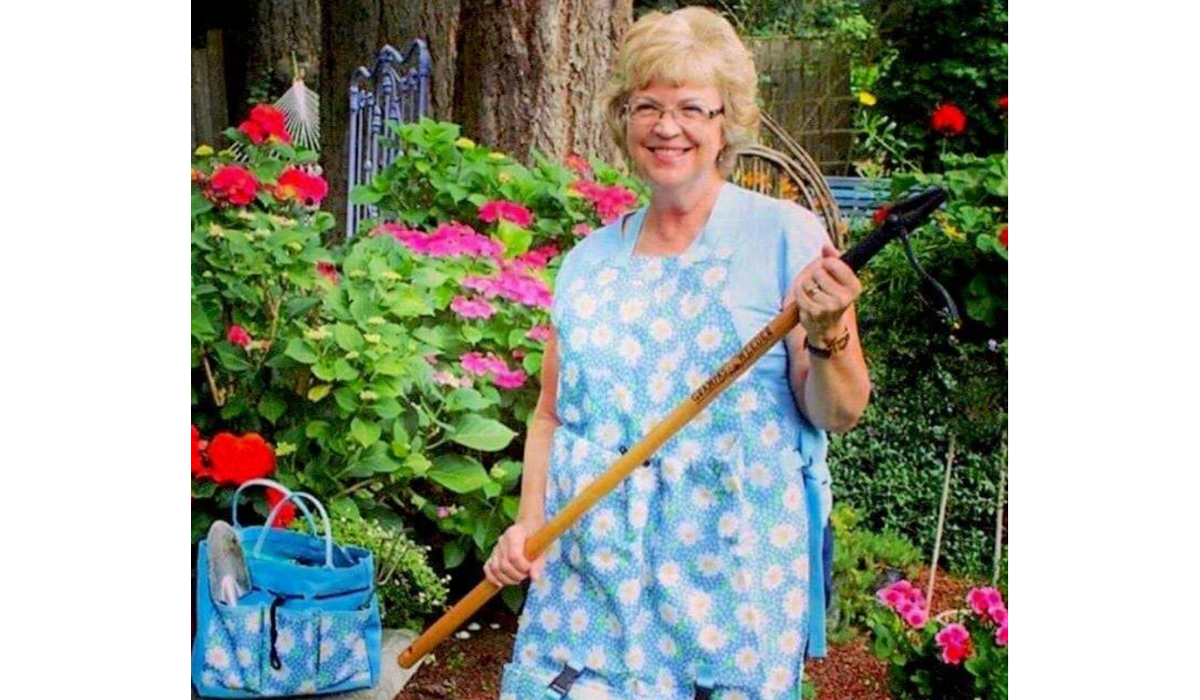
309,625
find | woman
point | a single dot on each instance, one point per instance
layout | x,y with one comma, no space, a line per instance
699,576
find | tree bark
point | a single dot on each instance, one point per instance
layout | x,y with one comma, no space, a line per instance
534,72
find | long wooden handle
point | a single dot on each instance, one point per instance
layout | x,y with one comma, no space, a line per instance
537,543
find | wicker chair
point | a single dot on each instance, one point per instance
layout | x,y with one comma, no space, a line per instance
788,172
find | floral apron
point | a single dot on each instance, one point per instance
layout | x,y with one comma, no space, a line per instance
692,578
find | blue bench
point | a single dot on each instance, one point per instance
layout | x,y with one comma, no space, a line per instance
859,197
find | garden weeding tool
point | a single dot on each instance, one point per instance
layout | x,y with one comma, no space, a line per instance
901,217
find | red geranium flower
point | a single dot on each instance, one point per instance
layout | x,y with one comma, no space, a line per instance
236,460
198,468
238,336
302,187
948,119
1002,103
232,184
265,123
328,270
881,214
1004,236
286,514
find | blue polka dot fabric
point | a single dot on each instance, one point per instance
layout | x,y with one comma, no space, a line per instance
696,569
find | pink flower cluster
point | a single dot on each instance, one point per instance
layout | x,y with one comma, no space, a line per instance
907,601
538,258
506,211
513,283
445,378
540,333
446,240
502,376
610,202
988,604
328,270
471,308
955,643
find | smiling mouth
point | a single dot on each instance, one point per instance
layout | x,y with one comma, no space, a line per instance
669,152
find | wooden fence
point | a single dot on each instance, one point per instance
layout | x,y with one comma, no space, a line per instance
805,86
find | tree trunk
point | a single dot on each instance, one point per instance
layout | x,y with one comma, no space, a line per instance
534,72
277,29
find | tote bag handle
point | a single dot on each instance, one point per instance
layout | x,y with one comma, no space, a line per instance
278,487
298,496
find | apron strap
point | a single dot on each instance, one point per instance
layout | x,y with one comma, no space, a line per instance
561,685
704,682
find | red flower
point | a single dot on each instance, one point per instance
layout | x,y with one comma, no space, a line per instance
329,270
508,211
948,119
307,189
238,336
286,514
236,460
198,468
881,214
1004,236
1002,103
265,123
232,184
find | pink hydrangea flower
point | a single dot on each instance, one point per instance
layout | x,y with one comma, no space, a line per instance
447,240
510,379
506,211
238,336
1002,635
513,283
609,202
445,378
443,512
581,229
518,353
538,258
471,308
540,333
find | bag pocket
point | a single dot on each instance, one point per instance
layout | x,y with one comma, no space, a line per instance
233,649
345,648
290,657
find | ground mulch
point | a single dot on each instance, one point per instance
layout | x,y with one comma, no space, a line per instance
469,669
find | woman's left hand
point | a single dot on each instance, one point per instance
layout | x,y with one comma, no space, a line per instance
824,290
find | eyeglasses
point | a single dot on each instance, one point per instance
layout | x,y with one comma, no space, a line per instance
647,113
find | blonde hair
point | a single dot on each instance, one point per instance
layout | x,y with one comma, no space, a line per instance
694,46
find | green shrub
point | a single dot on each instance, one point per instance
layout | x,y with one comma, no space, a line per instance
862,562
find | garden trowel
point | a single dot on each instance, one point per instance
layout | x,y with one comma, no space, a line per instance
228,576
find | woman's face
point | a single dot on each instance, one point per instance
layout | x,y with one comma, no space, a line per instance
681,147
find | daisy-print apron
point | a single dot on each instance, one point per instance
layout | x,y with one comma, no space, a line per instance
690,579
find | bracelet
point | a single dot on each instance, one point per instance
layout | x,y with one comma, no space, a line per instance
835,346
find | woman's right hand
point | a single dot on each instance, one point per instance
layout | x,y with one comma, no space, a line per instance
507,566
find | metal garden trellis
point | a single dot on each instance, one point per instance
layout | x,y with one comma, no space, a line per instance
396,89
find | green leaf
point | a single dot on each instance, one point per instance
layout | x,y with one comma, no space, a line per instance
272,405
387,408
232,357
466,399
324,371
453,555
202,326
318,392
511,505
316,428
471,334
477,199
429,277
411,303
516,239
365,194
300,351
482,434
344,371
366,433
492,489
201,521
418,463
348,337
514,598
347,398
200,204
458,473
344,507
532,363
